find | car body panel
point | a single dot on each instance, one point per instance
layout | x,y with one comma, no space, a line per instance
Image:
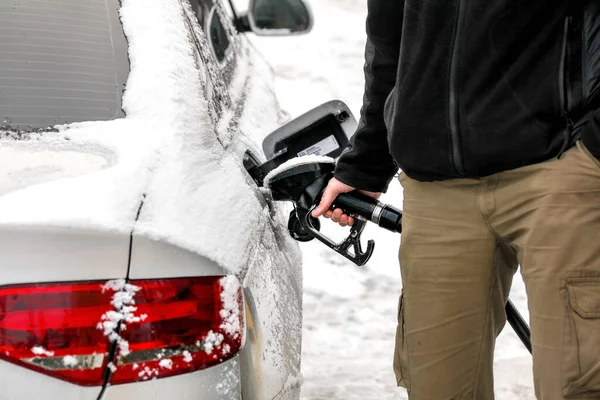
151,259
273,295
49,254
18,383
217,383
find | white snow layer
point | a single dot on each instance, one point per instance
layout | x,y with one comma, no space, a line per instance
230,313
212,340
165,153
124,312
40,351
112,366
166,363
294,162
187,356
70,361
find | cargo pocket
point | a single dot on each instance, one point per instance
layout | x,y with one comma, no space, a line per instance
582,336
401,351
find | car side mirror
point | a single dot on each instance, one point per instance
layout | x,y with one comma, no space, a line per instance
279,17
323,131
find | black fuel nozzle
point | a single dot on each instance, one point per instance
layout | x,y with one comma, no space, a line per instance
304,183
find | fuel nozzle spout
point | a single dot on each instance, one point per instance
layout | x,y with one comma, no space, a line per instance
301,183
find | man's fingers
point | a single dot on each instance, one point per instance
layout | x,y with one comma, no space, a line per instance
333,189
339,217
344,220
337,214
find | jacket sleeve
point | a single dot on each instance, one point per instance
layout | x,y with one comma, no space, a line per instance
366,163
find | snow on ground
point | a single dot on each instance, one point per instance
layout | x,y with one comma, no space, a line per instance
350,311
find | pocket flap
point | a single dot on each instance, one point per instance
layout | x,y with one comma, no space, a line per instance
584,296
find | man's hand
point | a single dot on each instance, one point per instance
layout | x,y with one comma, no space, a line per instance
334,189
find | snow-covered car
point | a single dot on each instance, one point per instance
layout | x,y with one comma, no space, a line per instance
138,259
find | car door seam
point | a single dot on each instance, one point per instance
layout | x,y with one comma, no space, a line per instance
114,344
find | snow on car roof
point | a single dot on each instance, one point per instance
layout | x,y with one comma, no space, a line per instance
164,153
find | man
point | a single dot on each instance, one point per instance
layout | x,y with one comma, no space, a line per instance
491,111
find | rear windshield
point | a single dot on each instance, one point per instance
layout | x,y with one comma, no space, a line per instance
61,61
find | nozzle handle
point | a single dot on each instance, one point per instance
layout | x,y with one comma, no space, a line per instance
358,204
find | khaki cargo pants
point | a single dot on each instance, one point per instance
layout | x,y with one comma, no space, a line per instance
461,244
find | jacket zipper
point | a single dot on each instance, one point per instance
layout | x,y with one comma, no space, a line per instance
565,89
584,74
457,159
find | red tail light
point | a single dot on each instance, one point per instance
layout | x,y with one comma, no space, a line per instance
51,328
186,325
163,327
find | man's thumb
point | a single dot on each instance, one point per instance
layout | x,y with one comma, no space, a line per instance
326,201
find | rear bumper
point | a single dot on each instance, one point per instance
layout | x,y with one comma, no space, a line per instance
221,382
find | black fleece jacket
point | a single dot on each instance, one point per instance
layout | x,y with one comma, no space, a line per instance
466,89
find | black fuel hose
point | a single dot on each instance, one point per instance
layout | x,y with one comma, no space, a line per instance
519,325
358,204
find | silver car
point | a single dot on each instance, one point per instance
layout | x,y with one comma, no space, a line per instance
138,259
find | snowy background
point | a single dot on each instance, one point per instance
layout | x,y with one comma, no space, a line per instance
350,311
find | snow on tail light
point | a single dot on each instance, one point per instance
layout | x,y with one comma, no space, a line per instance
178,326
51,328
